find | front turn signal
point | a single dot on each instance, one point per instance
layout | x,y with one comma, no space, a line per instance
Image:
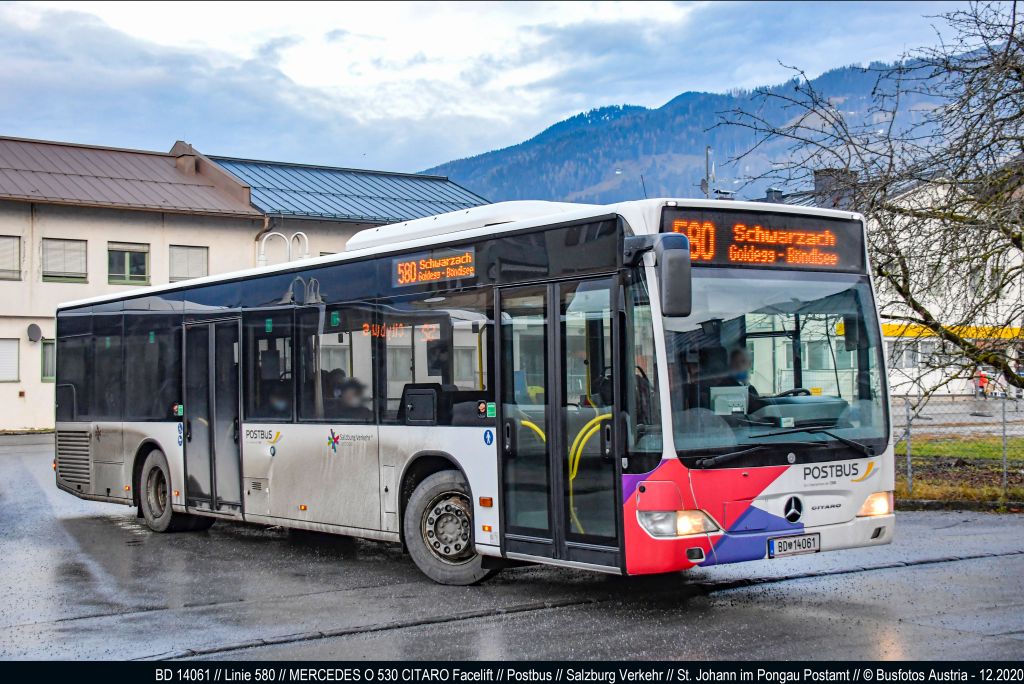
879,503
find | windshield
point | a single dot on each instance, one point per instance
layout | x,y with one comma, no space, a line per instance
776,352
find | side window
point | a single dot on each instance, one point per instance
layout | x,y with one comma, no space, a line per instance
107,367
641,403
152,352
74,358
268,364
335,364
440,342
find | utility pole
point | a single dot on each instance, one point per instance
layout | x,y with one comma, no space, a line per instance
707,172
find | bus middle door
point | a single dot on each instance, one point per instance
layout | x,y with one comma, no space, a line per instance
559,473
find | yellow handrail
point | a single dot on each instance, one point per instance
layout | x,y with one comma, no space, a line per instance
575,453
533,426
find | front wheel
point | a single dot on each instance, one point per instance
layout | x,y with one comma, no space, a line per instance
438,531
155,501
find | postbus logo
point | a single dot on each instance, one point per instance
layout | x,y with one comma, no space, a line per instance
269,438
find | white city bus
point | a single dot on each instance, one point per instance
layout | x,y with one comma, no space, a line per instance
634,388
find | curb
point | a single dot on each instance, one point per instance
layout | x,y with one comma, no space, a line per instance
941,505
25,438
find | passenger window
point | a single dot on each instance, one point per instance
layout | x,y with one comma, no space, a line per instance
336,363
440,344
107,367
74,359
268,365
152,352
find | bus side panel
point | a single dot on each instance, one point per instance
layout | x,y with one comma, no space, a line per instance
316,473
473,449
166,436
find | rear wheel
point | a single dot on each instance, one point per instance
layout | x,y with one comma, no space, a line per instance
438,530
155,499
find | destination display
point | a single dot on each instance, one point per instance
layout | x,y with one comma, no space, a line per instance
723,237
436,266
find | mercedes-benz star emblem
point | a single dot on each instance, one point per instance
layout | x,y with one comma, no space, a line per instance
794,509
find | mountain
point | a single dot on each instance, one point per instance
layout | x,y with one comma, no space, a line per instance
599,156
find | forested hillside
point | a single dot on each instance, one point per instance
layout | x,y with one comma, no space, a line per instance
600,155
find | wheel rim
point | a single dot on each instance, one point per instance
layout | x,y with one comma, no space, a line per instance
446,527
156,492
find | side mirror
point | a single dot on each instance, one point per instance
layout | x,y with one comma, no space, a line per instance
673,254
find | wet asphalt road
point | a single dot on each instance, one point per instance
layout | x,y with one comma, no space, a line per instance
87,580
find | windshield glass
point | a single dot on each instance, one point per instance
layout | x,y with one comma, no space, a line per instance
765,352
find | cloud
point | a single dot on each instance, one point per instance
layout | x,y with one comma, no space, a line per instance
411,97
270,51
72,78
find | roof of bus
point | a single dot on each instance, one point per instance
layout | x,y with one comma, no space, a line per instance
643,217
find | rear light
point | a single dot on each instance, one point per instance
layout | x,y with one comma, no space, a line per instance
879,503
676,523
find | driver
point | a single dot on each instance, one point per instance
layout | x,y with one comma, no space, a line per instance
739,376
739,370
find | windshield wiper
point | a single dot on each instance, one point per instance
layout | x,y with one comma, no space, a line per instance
712,461
858,446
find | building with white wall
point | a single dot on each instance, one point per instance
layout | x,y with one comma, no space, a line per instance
78,221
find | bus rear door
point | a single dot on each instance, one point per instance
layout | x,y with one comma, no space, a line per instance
212,457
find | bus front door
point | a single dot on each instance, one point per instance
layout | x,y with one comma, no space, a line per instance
212,457
559,474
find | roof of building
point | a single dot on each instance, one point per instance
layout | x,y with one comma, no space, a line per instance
347,194
87,175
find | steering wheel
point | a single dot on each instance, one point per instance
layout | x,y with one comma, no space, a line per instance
795,392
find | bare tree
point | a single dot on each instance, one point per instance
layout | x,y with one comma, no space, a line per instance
936,165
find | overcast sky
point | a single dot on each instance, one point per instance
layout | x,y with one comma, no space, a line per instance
399,86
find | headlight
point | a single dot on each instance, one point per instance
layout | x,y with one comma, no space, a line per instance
879,503
676,523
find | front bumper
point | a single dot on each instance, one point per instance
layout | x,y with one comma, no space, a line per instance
736,547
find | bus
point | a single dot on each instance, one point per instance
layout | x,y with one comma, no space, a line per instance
636,388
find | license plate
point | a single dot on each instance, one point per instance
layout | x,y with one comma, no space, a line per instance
791,546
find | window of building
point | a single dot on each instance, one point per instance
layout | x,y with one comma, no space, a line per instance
902,354
64,260
127,263
336,364
268,365
9,360
188,262
10,257
49,372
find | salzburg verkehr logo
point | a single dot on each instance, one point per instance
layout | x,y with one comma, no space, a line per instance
333,440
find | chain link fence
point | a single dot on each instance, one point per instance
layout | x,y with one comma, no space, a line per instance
960,448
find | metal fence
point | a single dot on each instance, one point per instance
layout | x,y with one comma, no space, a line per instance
960,448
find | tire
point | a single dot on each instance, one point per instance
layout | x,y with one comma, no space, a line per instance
154,487
424,529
